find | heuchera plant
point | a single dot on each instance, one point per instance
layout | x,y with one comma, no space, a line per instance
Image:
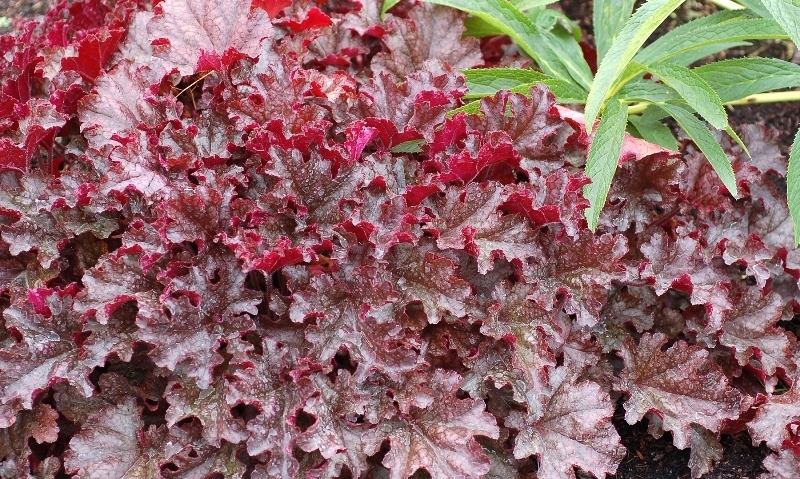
218,260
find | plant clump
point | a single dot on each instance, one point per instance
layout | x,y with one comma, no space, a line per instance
245,240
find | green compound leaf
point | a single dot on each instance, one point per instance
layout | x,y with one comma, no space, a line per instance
654,132
704,139
632,36
608,17
708,35
479,28
787,14
541,45
488,81
694,90
740,77
601,164
793,187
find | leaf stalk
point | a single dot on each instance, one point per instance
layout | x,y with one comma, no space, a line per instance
727,4
759,98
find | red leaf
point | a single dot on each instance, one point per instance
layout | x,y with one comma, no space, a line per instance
114,281
355,313
122,104
333,405
93,52
679,265
431,32
469,218
272,7
534,126
649,184
429,278
749,329
44,353
181,28
665,383
439,438
415,106
209,406
203,309
773,421
568,424
13,156
314,19
108,445
536,335
581,268
260,382
783,465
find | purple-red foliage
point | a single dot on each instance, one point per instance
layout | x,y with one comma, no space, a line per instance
218,259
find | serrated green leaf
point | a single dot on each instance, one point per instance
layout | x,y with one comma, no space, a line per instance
601,163
644,90
740,77
738,140
548,19
565,93
653,113
694,90
387,5
471,108
608,18
523,5
707,35
410,146
543,18
632,36
655,132
757,7
488,81
787,14
690,56
793,186
704,139
479,28
540,45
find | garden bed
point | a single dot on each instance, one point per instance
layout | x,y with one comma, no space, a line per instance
259,247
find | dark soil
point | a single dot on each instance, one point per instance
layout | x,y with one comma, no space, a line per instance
23,8
650,458
647,458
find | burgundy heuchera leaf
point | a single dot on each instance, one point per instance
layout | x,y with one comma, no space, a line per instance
244,238
573,429
440,438
185,31
673,382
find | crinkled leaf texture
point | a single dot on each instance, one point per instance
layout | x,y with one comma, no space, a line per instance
244,239
678,385
574,429
194,35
